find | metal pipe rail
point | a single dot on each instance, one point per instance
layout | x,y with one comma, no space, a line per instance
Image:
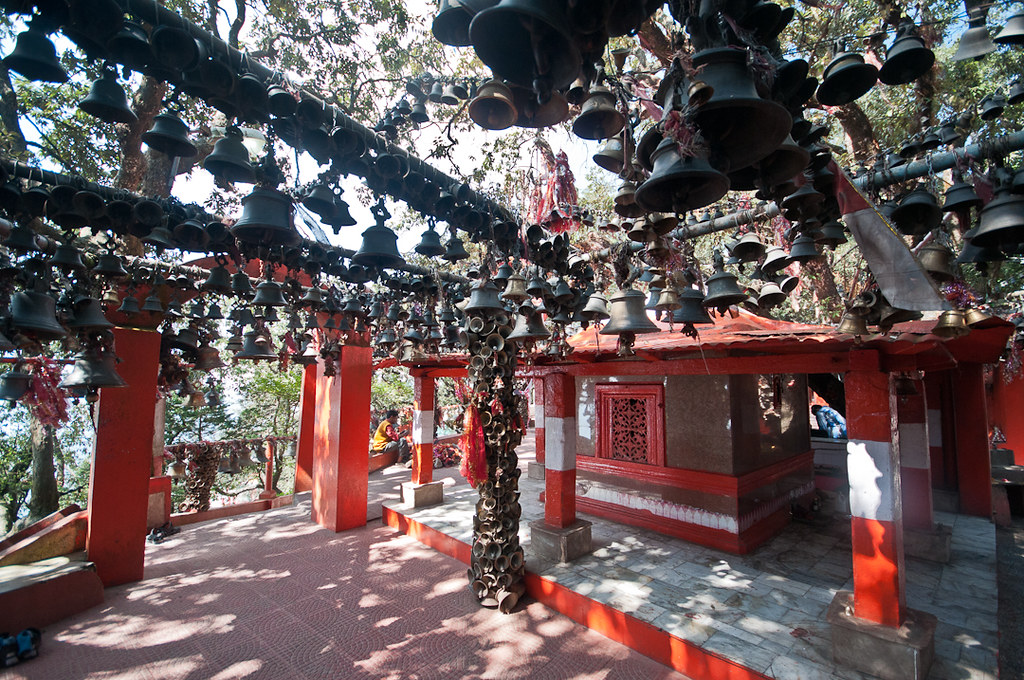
48,177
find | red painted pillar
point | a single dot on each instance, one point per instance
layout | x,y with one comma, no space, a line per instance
422,428
268,480
340,460
538,417
973,463
307,430
915,459
875,507
122,460
560,441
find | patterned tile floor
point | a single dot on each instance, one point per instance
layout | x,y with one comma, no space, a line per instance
765,610
272,595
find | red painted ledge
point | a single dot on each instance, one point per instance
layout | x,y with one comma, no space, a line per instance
183,518
651,641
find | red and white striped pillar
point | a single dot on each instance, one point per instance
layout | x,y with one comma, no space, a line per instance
422,428
915,458
933,399
875,503
560,455
538,418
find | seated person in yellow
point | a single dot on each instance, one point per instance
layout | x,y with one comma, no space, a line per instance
387,439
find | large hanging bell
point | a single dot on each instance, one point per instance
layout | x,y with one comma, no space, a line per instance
907,59
1013,32
35,314
749,248
524,41
975,42
992,106
169,135
229,160
1001,222
430,244
803,249
268,294
530,113
691,308
256,347
455,250
93,369
515,289
174,48
379,247
529,327
775,259
87,314
770,296
107,101
846,79
680,183
723,290
782,164
727,118
492,108
67,258
109,266
936,259
208,358
451,24
35,57
831,235
610,155
599,117
266,219
960,196
483,299
951,325
15,383
627,314
321,201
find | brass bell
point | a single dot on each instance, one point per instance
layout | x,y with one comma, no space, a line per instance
313,299
1001,221
975,42
191,236
218,280
527,40
529,327
430,244
691,308
852,324
610,155
975,316
130,306
722,289
321,201
832,235
668,301
770,296
515,289
177,469
888,316
15,383
936,259
35,57
483,299
803,249
35,314
599,117
678,183
625,201
87,314
256,346
266,219
782,164
455,250
627,314
379,247
749,248
241,286
846,78
229,160
492,108
107,101
1013,32
532,114
268,294
951,325
907,59
596,308
169,135
93,369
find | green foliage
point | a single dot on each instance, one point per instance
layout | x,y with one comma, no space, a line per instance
15,461
390,388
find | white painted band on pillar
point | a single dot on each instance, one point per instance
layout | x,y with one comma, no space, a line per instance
422,427
538,415
560,444
934,427
914,446
869,466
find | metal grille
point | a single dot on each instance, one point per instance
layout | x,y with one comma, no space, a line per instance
629,425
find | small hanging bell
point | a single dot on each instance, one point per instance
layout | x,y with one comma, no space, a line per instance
107,101
93,369
847,78
907,59
15,383
852,324
379,247
35,314
455,250
691,308
430,244
35,57
169,135
951,325
992,106
266,219
229,160
515,289
87,314
483,299
1001,222
936,259
975,42
256,347
599,117
268,294
722,289
492,108
803,250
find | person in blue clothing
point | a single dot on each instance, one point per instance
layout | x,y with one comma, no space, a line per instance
830,421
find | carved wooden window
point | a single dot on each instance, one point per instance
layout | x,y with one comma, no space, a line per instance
631,423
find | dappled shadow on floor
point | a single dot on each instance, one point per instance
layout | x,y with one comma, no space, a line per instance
271,595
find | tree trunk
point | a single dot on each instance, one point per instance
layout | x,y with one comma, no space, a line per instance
44,499
147,102
819,277
9,113
654,41
860,136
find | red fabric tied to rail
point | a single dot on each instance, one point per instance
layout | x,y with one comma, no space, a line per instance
474,458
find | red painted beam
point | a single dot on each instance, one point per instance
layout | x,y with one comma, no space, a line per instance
122,459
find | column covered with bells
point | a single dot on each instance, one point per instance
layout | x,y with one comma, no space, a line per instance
494,429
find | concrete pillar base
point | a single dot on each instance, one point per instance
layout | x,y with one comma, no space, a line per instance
903,653
535,470
421,495
934,545
561,545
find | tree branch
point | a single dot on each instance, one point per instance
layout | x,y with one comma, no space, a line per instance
236,25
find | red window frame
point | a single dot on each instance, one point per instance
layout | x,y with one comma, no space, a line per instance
654,395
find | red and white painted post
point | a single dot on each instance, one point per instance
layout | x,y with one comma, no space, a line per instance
307,430
933,399
341,462
422,491
535,470
915,459
864,621
122,460
560,450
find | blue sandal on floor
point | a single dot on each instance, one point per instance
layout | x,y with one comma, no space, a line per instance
28,643
8,650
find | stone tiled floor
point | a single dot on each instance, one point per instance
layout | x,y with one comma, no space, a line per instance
272,595
765,610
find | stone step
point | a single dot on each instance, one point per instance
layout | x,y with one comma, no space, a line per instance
43,592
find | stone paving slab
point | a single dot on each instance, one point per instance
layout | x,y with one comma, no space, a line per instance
766,609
